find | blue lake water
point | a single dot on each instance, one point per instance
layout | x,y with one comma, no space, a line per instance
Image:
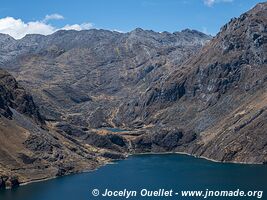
152,172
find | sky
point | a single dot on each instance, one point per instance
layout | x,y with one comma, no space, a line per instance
21,17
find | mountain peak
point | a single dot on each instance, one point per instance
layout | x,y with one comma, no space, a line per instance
193,32
260,7
138,30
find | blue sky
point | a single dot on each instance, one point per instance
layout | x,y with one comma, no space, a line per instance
123,15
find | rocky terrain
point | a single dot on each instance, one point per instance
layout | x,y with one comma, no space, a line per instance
99,95
84,76
28,151
77,88
215,100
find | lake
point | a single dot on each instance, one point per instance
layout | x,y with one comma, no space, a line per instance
151,172
114,130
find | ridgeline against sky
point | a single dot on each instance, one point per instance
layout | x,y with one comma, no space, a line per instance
17,18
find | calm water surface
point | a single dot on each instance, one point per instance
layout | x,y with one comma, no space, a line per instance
115,130
171,171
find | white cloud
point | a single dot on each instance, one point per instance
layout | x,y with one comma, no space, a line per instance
209,2
54,16
78,27
18,28
212,2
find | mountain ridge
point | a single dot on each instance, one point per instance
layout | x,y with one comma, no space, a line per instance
181,92
138,29
227,74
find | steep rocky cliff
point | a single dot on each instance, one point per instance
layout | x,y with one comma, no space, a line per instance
12,95
218,97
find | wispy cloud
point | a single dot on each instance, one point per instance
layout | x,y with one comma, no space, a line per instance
212,2
206,31
17,28
54,16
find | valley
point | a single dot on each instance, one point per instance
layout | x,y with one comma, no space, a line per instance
76,100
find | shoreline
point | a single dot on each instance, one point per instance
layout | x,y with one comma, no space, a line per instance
199,157
73,173
137,154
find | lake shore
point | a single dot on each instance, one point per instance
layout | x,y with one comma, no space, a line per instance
138,154
144,171
200,157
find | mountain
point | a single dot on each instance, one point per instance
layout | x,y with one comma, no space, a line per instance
94,96
28,151
77,79
83,76
215,101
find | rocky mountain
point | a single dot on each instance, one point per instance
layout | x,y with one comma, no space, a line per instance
12,95
30,150
99,95
83,76
78,80
215,100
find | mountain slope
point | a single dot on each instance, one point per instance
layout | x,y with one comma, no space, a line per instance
28,149
179,92
82,77
219,95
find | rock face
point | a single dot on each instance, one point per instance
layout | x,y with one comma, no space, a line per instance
14,96
179,92
219,94
82,77
29,149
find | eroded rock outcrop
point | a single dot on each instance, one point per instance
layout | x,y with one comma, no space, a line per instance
219,94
